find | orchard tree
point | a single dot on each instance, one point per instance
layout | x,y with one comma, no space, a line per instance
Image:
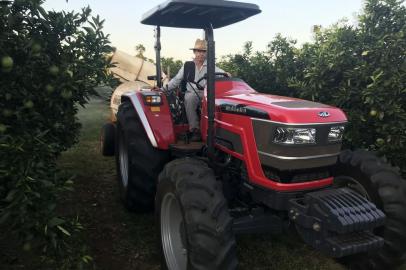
50,64
171,65
140,49
268,71
362,69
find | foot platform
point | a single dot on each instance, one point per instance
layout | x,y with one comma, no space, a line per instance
182,148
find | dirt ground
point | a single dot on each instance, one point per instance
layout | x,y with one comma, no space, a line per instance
117,238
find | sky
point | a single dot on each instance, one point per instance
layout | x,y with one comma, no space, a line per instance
291,18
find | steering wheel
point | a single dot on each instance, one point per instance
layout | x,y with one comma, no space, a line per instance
224,74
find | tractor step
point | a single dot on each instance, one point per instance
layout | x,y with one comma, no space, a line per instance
356,242
182,148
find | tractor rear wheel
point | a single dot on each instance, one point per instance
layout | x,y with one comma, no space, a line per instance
368,175
195,227
138,163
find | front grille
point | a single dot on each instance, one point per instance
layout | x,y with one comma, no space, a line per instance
284,157
296,176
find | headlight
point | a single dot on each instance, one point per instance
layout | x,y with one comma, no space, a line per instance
336,134
289,135
152,99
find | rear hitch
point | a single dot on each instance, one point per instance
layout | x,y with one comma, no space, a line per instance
338,222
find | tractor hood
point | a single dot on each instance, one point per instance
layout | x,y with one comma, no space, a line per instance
278,108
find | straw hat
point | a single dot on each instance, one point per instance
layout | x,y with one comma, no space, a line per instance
200,45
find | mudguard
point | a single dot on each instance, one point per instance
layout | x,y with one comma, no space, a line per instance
156,120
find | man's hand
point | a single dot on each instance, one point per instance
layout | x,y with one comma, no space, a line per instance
156,88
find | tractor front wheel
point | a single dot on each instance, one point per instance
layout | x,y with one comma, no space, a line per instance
195,227
368,175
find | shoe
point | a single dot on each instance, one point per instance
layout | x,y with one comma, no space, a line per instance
196,136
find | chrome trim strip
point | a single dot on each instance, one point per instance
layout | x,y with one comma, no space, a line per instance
144,121
297,158
298,124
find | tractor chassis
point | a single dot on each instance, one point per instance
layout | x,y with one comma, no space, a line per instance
336,221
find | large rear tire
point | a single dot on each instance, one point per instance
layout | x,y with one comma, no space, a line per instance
380,183
195,227
138,163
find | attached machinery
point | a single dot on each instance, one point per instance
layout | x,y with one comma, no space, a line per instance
266,164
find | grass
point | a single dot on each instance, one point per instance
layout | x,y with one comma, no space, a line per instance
117,239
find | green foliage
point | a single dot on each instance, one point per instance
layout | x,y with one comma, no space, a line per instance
173,65
140,49
51,62
361,69
268,71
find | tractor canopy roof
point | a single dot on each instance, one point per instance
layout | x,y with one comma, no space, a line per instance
199,13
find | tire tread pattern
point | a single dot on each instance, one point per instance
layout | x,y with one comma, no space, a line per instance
145,161
388,191
211,242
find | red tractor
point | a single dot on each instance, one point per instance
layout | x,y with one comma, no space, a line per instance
266,163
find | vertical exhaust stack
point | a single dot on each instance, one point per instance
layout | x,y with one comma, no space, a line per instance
158,55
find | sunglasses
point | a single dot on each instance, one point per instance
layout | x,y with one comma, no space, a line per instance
202,51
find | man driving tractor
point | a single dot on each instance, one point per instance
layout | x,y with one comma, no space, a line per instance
267,164
191,72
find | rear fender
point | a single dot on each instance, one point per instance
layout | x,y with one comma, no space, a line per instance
158,125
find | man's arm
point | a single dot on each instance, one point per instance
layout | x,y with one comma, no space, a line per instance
175,82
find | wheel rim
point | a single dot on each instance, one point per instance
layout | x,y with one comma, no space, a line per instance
172,230
123,158
353,184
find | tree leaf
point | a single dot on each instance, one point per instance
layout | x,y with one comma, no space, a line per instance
56,221
63,230
10,195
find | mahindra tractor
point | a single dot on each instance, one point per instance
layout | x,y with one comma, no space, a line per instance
266,164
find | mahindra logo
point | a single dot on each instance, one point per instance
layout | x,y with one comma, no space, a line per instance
324,114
